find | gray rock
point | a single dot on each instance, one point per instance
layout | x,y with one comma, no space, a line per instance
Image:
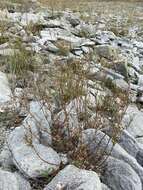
73,20
75,42
47,36
119,175
5,91
129,143
64,158
51,47
139,155
32,159
126,141
140,80
54,24
72,110
86,49
27,18
3,46
138,44
136,64
103,73
106,51
78,52
124,43
39,119
105,36
27,143
121,67
132,74
109,73
140,139
97,141
122,84
104,187
87,42
13,181
133,120
73,178
6,161
85,30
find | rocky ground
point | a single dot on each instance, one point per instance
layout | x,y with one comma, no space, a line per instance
71,94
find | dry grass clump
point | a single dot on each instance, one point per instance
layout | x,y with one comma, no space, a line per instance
22,60
66,83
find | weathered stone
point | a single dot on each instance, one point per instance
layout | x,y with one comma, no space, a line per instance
129,143
27,143
5,91
32,159
13,181
119,175
28,18
98,141
104,187
6,161
51,47
74,108
73,20
138,44
121,84
133,120
85,30
106,51
73,178
140,80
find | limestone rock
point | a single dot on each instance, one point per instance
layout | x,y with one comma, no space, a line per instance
119,175
5,91
13,181
73,178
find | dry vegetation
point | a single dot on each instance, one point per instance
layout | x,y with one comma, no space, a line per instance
68,82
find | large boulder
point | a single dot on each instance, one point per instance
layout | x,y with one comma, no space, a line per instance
72,177
129,143
97,141
126,141
30,143
13,181
119,175
32,159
